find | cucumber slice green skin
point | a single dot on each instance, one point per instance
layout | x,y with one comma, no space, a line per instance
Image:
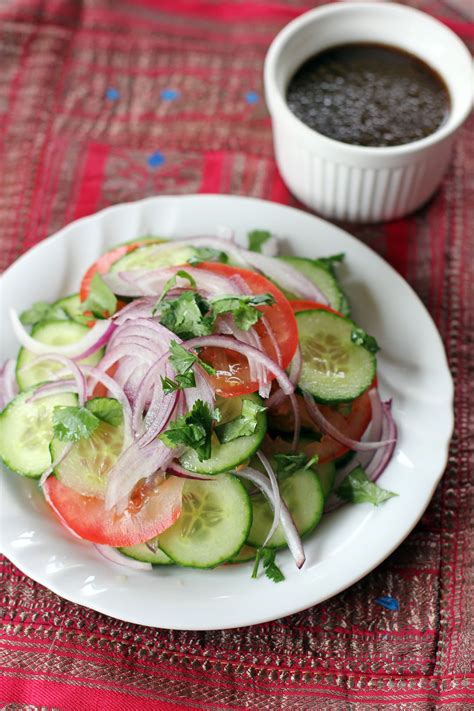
73,308
303,495
225,457
26,429
85,469
53,333
323,279
213,526
142,553
334,369
147,257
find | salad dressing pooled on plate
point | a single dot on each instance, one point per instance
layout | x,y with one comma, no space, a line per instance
369,95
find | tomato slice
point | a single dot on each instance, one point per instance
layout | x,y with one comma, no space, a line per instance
87,517
353,425
103,264
301,305
233,376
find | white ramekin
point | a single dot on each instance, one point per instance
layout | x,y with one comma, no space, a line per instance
357,183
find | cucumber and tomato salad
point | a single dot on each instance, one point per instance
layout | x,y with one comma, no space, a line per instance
199,513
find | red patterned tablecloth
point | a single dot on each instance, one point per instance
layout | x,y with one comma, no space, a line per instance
103,101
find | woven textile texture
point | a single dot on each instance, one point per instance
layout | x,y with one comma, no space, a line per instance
104,101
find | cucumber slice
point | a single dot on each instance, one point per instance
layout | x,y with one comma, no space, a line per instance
143,553
26,429
150,258
73,308
334,368
303,495
326,475
214,523
85,469
225,457
323,279
54,333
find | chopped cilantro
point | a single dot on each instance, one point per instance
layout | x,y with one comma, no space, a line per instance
183,360
357,489
290,463
257,238
242,426
183,380
243,308
101,301
361,338
106,409
71,424
207,254
328,263
267,557
172,283
194,430
186,315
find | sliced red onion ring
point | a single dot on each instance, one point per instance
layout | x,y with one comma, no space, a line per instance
150,282
54,388
276,496
294,375
8,384
317,416
246,350
92,341
177,470
114,556
140,308
271,248
290,531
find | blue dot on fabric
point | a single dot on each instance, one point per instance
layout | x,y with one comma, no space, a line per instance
388,602
251,97
112,94
169,94
156,159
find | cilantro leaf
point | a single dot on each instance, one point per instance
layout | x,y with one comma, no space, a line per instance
328,263
171,283
207,254
361,338
194,430
183,380
358,489
106,409
290,463
270,568
243,308
183,360
257,238
242,426
42,311
71,423
186,315
101,301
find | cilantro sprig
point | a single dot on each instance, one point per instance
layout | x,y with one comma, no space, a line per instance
357,488
361,338
243,308
72,423
42,311
101,300
242,426
257,238
267,556
193,430
287,464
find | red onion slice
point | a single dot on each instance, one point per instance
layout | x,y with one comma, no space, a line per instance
54,388
8,384
114,556
276,496
317,416
140,308
290,531
92,341
246,350
177,470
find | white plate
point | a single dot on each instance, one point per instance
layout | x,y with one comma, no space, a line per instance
347,544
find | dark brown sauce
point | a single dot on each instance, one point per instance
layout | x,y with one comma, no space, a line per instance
369,95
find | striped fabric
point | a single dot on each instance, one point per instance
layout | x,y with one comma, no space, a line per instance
103,101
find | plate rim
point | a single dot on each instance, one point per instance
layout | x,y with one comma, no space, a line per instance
404,531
